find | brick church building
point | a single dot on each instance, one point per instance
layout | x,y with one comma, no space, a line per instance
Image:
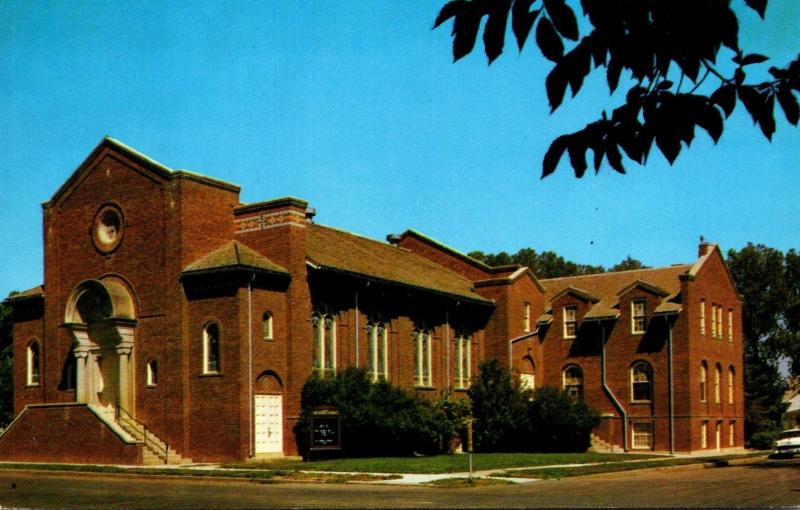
176,323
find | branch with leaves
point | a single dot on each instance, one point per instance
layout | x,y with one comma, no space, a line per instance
649,39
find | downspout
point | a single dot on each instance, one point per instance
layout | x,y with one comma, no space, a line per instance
356,322
250,363
671,396
447,345
608,390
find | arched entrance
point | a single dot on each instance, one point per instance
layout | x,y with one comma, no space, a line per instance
268,418
101,316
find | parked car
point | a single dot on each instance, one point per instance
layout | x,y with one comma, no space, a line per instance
787,444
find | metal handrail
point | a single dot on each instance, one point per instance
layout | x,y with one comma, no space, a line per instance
161,451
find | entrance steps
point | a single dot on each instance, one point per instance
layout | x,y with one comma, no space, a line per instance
155,451
599,445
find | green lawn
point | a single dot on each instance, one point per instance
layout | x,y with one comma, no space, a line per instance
443,463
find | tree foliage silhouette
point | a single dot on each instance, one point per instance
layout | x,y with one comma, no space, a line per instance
666,46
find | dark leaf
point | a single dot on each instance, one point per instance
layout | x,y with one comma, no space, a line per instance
752,101
494,34
522,20
450,9
778,73
691,66
556,84
669,144
563,18
635,94
614,158
757,5
725,97
789,104
710,119
766,117
728,27
599,49
664,85
738,76
754,58
577,155
553,155
580,63
465,31
548,40
612,73
599,152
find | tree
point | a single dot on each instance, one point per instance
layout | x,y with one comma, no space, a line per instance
768,283
667,47
549,264
499,409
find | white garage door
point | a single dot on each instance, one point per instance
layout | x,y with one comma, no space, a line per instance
269,424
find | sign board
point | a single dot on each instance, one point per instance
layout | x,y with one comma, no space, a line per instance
325,432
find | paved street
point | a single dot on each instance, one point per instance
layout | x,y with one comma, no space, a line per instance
765,483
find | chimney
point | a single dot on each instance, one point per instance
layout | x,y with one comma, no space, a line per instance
393,239
310,213
705,247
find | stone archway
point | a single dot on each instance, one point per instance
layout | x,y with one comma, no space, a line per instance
101,316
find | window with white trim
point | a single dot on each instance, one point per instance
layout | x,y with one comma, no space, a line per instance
32,364
152,373
713,320
730,384
637,316
323,332
422,358
703,373
702,317
377,352
717,377
719,322
730,325
211,364
642,435
641,382
704,434
463,361
573,381
526,317
570,321
731,433
266,326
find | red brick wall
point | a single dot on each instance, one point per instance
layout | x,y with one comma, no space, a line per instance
70,433
460,265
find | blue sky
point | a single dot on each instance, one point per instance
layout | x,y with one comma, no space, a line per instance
357,107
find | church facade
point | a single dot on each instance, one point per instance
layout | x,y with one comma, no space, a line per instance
176,323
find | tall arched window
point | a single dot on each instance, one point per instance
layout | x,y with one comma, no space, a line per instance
527,375
152,372
32,364
422,358
730,384
717,377
573,381
266,326
703,390
323,327
377,352
641,382
211,361
463,360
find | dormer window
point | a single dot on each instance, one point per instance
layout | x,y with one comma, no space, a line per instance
637,317
570,321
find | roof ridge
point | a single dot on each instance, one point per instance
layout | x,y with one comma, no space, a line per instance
607,273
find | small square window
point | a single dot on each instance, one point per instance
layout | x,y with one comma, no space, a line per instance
642,432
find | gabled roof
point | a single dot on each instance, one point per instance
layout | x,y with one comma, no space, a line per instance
607,287
335,250
157,170
580,293
233,256
452,251
34,293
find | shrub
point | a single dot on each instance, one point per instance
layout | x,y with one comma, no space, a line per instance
378,419
560,422
499,409
763,440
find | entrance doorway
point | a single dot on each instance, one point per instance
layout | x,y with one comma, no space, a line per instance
268,424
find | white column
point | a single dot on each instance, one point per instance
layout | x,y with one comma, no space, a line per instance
124,351
84,365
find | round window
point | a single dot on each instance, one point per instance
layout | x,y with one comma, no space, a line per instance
108,227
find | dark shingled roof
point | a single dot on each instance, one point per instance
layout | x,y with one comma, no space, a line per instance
35,292
232,256
332,249
606,287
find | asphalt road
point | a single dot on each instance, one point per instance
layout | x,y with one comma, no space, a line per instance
765,483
